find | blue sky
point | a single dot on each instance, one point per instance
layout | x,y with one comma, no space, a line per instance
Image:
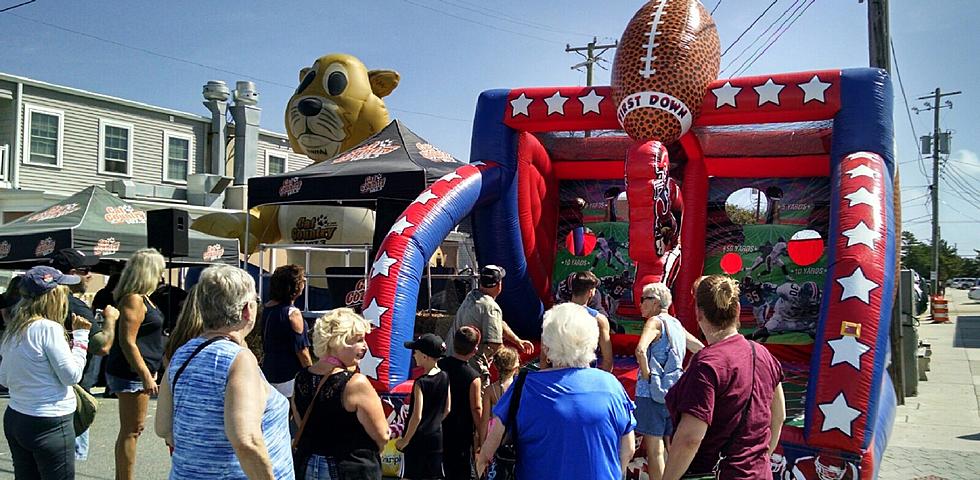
448,51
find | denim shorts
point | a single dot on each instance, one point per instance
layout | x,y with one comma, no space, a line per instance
123,385
321,468
652,418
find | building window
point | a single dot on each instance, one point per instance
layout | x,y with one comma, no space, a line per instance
115,148
275,162
176,157
44,132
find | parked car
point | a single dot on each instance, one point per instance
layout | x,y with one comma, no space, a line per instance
974,293
963,282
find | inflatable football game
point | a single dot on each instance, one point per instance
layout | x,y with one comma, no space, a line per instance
783,182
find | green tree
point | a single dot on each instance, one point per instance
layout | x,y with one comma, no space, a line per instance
917,255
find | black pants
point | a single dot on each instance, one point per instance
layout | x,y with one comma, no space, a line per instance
458,463
42,448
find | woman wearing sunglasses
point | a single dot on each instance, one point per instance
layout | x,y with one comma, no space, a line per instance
660,353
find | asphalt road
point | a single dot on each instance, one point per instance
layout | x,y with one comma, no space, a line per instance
152,459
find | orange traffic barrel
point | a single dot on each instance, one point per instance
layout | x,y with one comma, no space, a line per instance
940,309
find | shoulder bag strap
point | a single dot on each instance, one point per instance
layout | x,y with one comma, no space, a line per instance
515,403
745,411
202,346
309,409
664,336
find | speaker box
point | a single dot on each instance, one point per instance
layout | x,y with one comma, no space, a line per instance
166,231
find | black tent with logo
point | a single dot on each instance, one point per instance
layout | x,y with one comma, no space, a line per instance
101,224
395,163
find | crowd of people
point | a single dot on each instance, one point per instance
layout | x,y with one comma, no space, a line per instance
305,411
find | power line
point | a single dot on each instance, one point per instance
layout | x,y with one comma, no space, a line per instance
908,113
774,40
507,18
470,20
17,6
204,65
746,28
718,5
758,37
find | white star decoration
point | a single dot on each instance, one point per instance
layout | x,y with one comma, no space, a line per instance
862,170
769,92
369,364
382,265
519,105
450,176
374,312
814,90
838,415
725,95
477,163
590,102
556,103
862,195
425,196
847,350
857,286
400,226
861,234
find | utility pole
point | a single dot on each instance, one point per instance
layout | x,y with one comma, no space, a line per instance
878,35
591,57
935,106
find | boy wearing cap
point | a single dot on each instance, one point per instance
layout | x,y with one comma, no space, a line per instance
430,403
480,310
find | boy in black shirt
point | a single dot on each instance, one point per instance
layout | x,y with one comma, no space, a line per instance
422,442
459,427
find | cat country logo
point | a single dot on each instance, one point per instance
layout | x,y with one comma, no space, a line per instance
54,212
213,252
44,247
313,230
290,186
372,150
373,184
4,249
124,214
107,246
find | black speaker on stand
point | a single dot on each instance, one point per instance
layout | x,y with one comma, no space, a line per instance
167,231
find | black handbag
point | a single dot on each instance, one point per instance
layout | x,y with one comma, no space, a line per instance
505,458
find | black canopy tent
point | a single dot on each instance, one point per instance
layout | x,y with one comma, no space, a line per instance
395,163
101,224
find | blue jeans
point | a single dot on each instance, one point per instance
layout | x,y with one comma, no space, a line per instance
321,468
81,447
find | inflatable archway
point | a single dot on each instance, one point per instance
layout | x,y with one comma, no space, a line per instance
829,131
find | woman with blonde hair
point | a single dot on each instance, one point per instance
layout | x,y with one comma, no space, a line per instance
39,367
507,360
343,427
582,412
189,324
728,406
660,353
136,353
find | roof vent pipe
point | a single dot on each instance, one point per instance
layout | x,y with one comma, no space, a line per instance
246,114
216,95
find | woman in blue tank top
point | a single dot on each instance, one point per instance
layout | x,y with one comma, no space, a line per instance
285,337
217,412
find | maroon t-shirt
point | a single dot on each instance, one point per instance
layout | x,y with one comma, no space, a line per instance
714,389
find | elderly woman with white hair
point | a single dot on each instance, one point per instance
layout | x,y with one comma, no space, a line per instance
660,353
216,410
343,426
568,410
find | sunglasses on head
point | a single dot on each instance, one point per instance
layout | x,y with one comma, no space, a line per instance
83,271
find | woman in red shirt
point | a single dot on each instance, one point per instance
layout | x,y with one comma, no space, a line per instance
728,406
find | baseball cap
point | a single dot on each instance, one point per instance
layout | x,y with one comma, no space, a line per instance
42,279
491,275
69,258
429,344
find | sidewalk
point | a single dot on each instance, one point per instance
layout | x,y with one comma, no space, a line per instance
937,432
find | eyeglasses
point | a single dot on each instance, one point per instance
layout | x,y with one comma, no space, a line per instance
82,271
643,299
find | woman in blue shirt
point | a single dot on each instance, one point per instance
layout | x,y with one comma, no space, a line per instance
222,419
285,337
569,411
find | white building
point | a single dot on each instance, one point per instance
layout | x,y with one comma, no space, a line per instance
56,140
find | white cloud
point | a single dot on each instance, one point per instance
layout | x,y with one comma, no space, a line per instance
968,159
